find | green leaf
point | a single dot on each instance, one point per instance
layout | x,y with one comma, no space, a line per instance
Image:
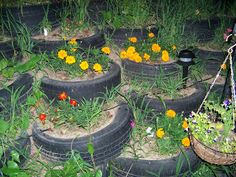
8,72
3,64
25,121
98,173
3,126
12,165
30,64
90,149
15,156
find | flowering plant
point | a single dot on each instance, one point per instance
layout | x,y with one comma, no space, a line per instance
148,50
213,127
76,63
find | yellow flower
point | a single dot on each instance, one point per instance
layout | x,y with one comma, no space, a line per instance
173,47
156,48
84,65
186,142
64,38
170,113
131,50
160,133
151,35
97,67
62,54
137,58
123,54
165,56
70,60
106,50
73,41
185,124
73,49
146,56
133,39
223,66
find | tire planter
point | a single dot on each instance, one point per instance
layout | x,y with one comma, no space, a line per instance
148,72
6,50
95,41
121,35
182,105
131,167
22,146
87,89
32,15
203,30
108,142
23,82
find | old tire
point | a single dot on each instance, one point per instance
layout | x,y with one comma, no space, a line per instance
22,145
182,105
121,35
87,89
149,72
95,41
131,167
107,142
23,83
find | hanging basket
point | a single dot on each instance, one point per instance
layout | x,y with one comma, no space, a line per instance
211,155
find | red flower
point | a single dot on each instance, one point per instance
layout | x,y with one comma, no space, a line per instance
73,102
42,117
62,96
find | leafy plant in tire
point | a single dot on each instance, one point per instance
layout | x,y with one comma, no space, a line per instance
150,50
74,62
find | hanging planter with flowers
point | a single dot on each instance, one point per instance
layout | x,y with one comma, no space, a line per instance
75,125
157,148
82,75
146,59
213,130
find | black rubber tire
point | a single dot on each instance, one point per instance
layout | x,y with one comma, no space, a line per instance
32,16
203,30
6,50
87,89
95,41
121,35
182,105
166,167
22,146
148,72
108,142
24,82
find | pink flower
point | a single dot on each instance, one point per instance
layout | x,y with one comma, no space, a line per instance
225,36
132,123
229,30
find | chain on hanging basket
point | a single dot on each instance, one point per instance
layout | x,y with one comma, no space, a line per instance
207,131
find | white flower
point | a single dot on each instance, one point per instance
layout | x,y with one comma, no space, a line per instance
149,130
45,31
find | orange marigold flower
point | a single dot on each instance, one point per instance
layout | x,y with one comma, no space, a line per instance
73,41
174,47
70,60
151,35
62,96
131,50
160,133
185,124
84,65
146,56
62,54
73,102
123,54
223,66
165,56
97,67
186,142
133,39
170,113
156,48
106,50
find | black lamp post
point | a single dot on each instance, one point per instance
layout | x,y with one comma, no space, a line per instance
185,60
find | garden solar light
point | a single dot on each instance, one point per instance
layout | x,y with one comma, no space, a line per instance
185,60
